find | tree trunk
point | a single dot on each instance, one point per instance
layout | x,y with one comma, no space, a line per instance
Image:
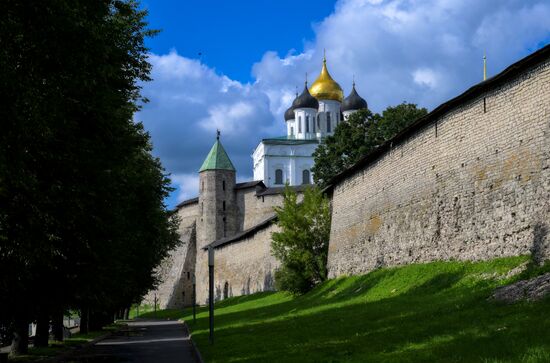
57,326
84,320
127,314
42,330
20,342
99,319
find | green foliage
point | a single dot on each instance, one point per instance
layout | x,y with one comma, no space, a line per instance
394,119
82,219
359,135
302,244
436,312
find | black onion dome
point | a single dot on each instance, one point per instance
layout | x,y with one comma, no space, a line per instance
306,100
353,101
289,114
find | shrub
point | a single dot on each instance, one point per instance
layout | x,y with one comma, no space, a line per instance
302,244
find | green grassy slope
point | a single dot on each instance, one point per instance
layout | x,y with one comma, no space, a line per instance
436,312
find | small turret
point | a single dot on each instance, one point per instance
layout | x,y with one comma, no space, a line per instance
306,100
305,113
217,179
353,103
330,95
290,118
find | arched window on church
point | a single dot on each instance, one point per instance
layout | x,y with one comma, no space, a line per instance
319,122
299,124
278,176
313,125
307,123
328,122
291,131
305,177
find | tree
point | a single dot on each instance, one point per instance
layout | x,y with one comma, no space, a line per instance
302,244
353,138
394,119
361,133
82,219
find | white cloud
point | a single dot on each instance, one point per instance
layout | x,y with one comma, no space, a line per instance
421,51
231,118
189,101
424,52
187,185
426,77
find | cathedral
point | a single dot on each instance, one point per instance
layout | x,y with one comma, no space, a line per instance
237,218
313,115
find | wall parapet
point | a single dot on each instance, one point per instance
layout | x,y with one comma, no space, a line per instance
431,118
471,181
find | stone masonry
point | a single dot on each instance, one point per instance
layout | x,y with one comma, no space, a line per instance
176,272
243,265
471,184
470,181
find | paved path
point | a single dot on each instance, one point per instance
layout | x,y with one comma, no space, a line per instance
146,341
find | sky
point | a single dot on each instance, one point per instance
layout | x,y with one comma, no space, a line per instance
235,65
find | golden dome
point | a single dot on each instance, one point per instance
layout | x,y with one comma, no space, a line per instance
326,88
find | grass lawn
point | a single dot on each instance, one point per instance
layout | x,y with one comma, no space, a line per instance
141,309
56,348
436,312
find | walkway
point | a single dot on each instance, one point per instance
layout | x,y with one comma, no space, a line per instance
146,341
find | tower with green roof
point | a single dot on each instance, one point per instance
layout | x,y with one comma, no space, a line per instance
217,202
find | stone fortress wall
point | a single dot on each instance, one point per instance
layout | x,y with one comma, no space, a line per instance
244,267
176,272
469,183
243,262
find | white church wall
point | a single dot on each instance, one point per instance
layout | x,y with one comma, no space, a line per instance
258,161
290,159
304,129
304,165
291,128
327,107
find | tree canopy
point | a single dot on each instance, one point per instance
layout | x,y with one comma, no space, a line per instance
82,218
361,133
302,244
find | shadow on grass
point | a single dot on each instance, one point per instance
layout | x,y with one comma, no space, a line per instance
425,313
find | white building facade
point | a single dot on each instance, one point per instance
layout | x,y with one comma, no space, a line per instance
313,115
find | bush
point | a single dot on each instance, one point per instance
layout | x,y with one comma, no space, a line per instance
302,244
292,280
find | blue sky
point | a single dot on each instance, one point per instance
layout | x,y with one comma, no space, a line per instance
255,52
233,35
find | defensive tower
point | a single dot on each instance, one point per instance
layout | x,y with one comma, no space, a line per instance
217,205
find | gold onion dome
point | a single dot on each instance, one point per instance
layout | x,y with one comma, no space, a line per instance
326,88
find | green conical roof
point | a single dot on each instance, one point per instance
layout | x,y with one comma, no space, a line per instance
217,159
